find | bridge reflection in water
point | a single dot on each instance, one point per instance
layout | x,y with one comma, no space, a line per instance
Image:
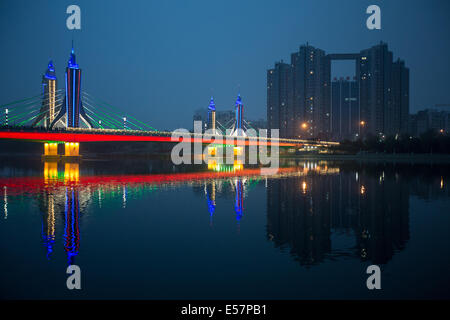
61,195
308,204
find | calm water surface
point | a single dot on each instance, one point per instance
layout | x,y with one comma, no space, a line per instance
147,229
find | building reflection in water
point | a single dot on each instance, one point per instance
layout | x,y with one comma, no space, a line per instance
304,214
309,204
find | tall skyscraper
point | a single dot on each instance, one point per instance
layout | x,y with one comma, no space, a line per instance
72,109
48,110
298,94
384,91
345,113
398,116
311,78
374,70
280,112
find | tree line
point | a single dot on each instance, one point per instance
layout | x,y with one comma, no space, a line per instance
429,142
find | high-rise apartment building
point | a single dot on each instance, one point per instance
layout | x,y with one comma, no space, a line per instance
374,71
280,113
310,90
345,112
398,116
299,95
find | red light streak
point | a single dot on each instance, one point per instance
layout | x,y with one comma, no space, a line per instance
21,185
89,137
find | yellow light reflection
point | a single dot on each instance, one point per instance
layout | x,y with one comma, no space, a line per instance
304,187
50,170
237,166
212,151
71,171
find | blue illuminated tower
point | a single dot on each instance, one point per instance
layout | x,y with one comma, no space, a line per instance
73,86
239,112
212,115
238,125
48,109
72,108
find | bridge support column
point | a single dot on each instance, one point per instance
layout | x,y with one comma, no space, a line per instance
72,149
237,151
50,149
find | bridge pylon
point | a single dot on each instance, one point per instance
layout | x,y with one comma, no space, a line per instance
212,117
238,130
48,109
72,112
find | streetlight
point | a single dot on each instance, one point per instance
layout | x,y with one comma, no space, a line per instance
304,127
362,123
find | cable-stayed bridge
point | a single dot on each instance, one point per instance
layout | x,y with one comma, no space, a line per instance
72,116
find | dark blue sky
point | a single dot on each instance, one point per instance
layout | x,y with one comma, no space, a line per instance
161,60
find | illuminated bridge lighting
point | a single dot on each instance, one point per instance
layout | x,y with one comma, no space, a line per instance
111,135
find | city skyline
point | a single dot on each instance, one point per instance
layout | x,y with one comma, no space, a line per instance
225,158
301,94
113,50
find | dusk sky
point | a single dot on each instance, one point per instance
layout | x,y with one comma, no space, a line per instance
161,60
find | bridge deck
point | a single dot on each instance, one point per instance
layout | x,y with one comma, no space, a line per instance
111,135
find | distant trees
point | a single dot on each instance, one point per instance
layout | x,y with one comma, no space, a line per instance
429,142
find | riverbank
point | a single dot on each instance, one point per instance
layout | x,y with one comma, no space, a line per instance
391,157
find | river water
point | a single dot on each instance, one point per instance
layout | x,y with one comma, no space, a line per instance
150,230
